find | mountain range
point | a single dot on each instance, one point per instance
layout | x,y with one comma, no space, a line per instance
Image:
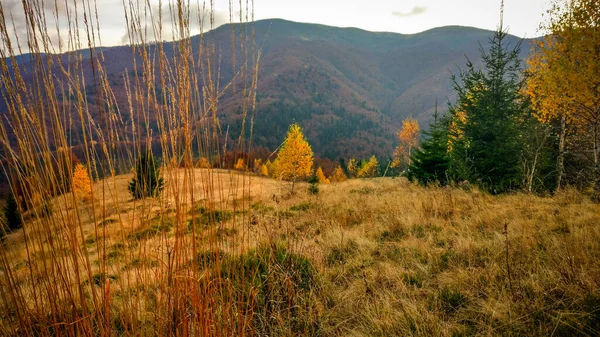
348,88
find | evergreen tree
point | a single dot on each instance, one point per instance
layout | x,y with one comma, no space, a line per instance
313,184
147,181
486,142
12,214
430,163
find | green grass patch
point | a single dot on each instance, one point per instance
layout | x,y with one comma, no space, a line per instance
451,300
339,255
304,206
157,226
280,283
203,217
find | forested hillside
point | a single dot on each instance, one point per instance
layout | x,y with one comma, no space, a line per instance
348,88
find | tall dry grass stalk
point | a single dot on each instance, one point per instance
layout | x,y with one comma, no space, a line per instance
104,265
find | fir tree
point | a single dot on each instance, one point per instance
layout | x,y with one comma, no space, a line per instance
147,181
313,184
487,144
430,163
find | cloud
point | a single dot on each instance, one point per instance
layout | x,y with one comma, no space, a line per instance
417,10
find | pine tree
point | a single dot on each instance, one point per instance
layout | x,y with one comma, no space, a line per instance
12,214
430,163
487,144
147,181
295,158
313,184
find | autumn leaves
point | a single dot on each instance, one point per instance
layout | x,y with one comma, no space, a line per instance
564,86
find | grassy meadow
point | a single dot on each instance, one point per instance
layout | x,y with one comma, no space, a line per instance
365,257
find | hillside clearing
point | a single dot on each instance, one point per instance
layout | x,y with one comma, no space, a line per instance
389,257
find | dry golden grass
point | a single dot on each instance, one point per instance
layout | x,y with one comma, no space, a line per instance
391,258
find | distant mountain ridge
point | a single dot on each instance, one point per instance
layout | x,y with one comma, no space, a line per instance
348,88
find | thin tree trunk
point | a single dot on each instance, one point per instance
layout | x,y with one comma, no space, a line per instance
535,161
560,164
596,195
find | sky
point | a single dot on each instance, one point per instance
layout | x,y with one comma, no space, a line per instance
521,17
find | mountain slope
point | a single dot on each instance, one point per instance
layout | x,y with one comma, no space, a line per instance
348,88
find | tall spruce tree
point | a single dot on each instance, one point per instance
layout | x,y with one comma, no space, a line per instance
430,162
486,142
147,181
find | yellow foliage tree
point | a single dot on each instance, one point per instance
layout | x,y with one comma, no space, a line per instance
321,176
352,168
81,184
264,170
408,136
338,175
564,76
295,158
203,163
240,165
369,169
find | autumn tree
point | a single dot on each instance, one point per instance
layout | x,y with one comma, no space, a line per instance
338,175
369,169
264,169
353,168
408,137
81,184
321,176
203,163
295,157
564,78
240,165
147,181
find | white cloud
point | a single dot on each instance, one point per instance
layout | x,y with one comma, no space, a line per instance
417,10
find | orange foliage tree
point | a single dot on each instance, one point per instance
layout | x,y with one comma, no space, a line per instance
295,158
408,136
240,165
81,182
338,175
203,163
321,176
